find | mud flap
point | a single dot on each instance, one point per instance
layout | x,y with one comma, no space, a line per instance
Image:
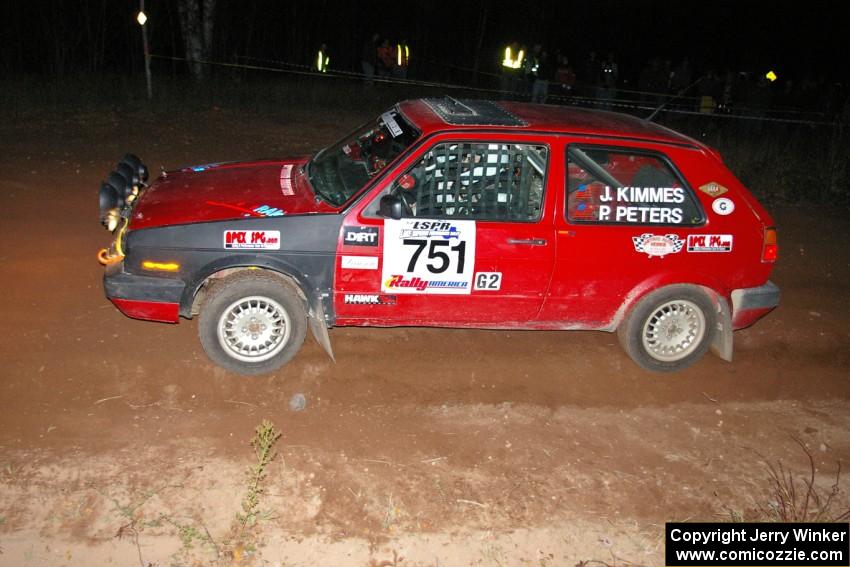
320,329
722,343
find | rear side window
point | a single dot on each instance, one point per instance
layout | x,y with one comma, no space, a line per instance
627,186
481,181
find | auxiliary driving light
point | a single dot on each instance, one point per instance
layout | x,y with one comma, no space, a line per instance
122,188
136,163
107,198
113,217
129,173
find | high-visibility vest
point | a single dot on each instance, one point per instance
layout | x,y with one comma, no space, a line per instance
510,62
322,62
402,51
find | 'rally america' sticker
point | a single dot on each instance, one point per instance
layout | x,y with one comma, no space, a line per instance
657,244
252,239
709,243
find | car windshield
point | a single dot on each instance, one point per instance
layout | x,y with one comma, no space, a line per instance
338,172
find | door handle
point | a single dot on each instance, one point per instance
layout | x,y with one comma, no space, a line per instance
528,241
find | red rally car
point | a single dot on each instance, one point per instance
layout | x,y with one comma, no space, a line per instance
450,213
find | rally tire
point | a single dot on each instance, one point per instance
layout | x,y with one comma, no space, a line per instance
252,323
669,329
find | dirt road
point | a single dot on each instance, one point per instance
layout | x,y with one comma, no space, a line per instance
120,443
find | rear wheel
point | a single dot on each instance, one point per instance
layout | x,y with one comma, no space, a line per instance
669,329
252,323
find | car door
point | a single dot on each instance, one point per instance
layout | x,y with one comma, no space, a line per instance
622,222
473,246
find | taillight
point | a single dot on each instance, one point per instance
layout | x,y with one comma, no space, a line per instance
770,252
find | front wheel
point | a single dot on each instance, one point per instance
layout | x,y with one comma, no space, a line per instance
669,329
252,323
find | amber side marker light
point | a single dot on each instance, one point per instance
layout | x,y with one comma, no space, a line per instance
160,266
770,252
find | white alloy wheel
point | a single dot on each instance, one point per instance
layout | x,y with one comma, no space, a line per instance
253,329
673,330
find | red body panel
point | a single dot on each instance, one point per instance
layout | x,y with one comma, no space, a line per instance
149,310
226,191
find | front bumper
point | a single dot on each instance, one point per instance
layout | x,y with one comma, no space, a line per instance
752,303
143,297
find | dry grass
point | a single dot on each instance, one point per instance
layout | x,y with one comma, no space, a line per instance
796,497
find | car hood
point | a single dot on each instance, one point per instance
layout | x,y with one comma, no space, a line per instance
226,191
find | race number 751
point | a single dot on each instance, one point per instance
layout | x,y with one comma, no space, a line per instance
443,254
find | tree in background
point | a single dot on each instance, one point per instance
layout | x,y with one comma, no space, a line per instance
197,18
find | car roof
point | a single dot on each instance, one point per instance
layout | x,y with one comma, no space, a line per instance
433,115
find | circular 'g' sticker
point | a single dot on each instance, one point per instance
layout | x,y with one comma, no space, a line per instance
723,206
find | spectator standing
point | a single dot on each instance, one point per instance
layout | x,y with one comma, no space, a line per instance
402,59
512,66
565,77
323,59
681,77
541,73
710,91
386,58
369,57
609,73
653,82
588,77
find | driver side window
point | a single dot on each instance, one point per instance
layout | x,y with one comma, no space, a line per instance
473,180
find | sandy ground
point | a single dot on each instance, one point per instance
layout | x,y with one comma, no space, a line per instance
121,444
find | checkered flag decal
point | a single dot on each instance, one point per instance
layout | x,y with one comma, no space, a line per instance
639,241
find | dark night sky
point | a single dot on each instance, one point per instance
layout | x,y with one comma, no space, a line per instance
69,36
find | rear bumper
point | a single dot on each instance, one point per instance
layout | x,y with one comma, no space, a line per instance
143,297
752,303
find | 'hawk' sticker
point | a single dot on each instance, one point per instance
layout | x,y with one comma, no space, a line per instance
369,299
657,244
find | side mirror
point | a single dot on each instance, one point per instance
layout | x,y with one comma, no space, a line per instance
390,207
